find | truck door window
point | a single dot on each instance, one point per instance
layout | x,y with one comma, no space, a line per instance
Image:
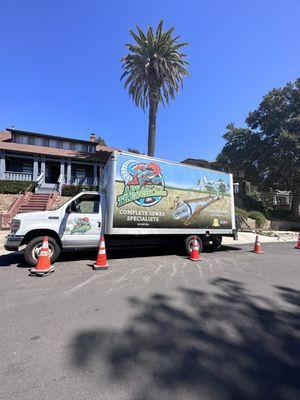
86,204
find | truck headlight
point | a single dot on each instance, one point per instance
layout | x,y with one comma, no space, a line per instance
15,226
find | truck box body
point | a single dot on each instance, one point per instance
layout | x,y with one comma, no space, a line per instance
146,195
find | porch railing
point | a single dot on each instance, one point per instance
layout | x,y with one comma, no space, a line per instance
18,176
89,180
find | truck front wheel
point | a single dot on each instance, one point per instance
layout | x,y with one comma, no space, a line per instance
188,243
34,247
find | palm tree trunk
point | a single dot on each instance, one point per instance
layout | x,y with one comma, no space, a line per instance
152,127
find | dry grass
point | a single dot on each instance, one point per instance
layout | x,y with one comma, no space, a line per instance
6,201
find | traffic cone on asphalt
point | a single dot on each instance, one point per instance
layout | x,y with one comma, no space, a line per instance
43,266
101,262
298,243
195,255
257,246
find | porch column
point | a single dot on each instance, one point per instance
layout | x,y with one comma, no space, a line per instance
35,168
62,170
95,181
2,165
69,172
43,168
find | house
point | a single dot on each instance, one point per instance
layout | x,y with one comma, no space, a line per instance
50,160
199,162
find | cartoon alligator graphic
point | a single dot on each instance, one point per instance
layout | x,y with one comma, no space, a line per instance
187,210
82,225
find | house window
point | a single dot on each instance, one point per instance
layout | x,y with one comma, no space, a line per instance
31,140
19,165
46,142
22,139
80,173
72,145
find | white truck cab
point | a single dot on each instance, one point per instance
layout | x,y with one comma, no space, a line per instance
75,224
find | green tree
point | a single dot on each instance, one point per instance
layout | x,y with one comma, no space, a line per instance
101,141
154,69
131,150
268,150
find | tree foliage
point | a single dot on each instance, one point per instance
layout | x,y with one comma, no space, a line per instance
268,149
153,71
131,150
101,141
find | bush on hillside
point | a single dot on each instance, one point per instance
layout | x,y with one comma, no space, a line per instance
16,187
259,217
72,190
241,213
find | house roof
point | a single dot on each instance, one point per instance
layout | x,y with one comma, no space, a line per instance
50,136
195,160
102,152
5,136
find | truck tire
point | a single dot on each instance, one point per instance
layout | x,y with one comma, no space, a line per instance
188,243
34,247
216,243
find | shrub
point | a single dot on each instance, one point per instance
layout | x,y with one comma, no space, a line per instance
259,217
241,213
16,187
72,190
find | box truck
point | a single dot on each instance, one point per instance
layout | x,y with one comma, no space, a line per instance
141,201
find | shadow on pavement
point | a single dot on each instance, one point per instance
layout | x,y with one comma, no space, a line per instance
17,258
7,260
221,345
159,251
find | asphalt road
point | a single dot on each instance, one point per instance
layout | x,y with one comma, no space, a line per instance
155,327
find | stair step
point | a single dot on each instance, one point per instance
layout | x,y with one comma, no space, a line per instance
32,205
37,201
31,209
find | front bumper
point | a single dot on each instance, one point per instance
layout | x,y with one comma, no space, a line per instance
12,243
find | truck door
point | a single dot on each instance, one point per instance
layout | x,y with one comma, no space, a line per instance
81,224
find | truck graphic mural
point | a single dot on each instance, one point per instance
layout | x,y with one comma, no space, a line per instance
158,194
143,184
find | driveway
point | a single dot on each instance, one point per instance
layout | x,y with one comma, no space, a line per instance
153,326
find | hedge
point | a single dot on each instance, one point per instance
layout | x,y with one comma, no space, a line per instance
16,187
72,190
241,213
259,217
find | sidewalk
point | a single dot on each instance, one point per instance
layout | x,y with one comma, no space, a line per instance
2,240
249,237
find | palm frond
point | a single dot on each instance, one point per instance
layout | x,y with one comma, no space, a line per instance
154,68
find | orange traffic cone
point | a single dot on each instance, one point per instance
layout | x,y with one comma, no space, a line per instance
257,246
195,256
101,262
298,243
43,266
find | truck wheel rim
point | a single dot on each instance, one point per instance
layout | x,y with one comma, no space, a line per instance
37,248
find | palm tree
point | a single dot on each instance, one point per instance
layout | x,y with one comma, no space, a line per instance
154,71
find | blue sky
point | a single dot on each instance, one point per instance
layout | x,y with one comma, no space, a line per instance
60,68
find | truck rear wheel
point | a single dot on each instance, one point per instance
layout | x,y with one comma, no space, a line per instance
34,247
188,243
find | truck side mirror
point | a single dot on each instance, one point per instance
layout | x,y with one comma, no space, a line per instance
68,209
